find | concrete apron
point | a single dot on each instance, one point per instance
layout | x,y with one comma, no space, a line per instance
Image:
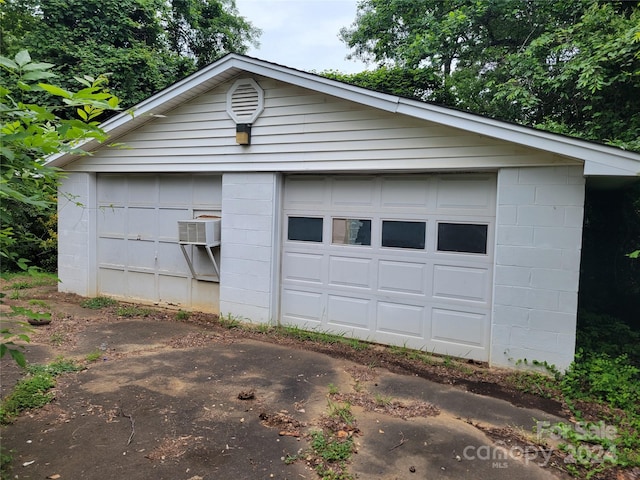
144,398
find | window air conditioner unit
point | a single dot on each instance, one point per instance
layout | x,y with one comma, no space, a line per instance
199,231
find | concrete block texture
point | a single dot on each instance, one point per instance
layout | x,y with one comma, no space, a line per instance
248,254
537,262
76,206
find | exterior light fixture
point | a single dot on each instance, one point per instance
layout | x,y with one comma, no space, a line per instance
243,134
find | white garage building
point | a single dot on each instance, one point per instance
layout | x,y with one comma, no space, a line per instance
275,195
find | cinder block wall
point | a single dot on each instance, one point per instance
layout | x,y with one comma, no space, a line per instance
537,265
76,234
248,253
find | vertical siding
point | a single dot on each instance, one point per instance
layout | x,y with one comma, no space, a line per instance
76,234
537,264
248,251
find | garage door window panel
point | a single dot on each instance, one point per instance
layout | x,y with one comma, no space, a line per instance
351,231
403,234
462,237
305,229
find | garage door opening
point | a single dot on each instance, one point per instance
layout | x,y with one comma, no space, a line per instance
397,259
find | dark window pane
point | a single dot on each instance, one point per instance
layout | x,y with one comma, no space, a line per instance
305,229
403,234
462,237
351,231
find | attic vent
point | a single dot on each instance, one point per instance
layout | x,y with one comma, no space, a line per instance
245,101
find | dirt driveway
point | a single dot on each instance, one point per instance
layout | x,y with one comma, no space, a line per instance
191,400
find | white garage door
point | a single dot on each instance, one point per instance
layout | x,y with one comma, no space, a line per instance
137,253
403,260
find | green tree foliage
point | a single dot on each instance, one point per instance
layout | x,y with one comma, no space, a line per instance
408,82
569,67
30,132
205,30
450,34
584,79
145,44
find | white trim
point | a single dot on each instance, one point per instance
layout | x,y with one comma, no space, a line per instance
599,159
276,239
259,101
92,240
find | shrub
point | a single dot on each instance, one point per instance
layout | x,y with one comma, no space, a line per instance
599,377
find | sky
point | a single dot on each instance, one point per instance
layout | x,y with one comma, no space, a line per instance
302,34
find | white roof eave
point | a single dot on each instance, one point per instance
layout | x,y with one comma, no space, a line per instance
599,159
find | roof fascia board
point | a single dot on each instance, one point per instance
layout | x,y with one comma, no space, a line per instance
570,147
627,163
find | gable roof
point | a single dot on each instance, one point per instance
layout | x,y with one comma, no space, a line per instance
599,160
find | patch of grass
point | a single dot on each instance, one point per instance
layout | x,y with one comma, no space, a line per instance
321,337
39,303
263,328
383,400
20,285
57,367
230,322
5,464
341,412
355,343
182,315
57,338
331,455
424,357
133,311
35,278
96,303
33,391
329,448
333,389
93,356
401,351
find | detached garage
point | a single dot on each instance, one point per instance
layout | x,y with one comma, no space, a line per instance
275,195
